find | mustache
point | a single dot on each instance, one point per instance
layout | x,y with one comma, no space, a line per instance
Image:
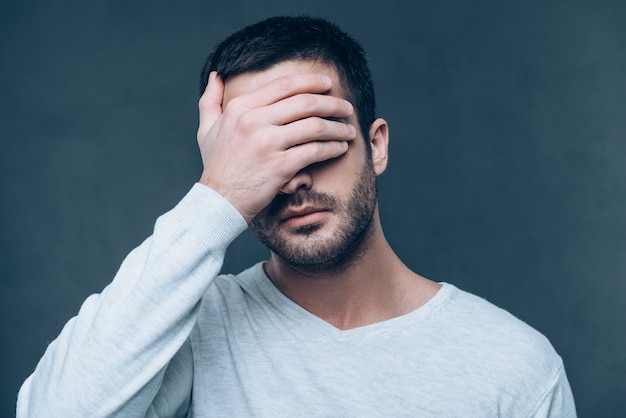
300,198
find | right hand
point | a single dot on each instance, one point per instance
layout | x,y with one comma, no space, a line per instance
262,138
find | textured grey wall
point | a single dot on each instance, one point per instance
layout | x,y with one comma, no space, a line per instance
506,177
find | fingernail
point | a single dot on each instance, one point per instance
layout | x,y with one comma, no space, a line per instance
327,80
348,105
351,130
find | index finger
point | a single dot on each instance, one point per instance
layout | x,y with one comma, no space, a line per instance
283,87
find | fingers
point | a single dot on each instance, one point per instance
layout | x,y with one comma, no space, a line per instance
313,152
295,111
254,142
305,105
314,129
301,118
285,86
210,104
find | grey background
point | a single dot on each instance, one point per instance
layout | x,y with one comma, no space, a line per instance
506,175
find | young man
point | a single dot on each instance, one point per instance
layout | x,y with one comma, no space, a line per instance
333,324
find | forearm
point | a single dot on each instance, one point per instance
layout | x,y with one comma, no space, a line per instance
114,352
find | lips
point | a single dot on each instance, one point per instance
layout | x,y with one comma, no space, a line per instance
292,213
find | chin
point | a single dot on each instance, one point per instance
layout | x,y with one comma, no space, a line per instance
307,230
313,248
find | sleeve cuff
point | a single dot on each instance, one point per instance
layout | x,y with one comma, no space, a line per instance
209,217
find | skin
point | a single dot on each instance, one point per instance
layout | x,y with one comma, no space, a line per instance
288,130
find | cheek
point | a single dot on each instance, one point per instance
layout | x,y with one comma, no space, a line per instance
343,168
336,180
264,217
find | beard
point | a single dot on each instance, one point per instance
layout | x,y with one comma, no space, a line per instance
306,248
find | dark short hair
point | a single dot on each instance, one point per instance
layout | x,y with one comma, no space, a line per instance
278,39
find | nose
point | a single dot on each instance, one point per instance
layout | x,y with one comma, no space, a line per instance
301,179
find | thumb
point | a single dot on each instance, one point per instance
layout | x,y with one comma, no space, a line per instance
210,104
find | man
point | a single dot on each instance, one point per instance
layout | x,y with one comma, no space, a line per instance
333,324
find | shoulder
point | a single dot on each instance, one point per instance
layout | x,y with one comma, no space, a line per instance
497,333
496,346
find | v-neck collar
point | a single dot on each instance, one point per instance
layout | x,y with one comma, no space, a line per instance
301,318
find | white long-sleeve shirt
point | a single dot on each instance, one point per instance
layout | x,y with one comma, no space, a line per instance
169,337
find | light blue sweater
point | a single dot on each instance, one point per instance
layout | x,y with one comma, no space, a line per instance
168,337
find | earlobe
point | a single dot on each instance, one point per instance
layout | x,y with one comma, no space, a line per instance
379,143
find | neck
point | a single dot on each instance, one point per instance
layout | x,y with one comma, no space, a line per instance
373,287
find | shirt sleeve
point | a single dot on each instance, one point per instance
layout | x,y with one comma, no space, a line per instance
558,401
110,359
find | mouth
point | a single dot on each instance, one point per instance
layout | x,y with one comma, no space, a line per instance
303,216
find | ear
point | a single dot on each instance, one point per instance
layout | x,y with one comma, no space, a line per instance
379,142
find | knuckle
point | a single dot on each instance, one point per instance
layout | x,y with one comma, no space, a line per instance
305,101
282,83
278,166
203,102
246,121
264,140
282,167
317,150
316,126
234,104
